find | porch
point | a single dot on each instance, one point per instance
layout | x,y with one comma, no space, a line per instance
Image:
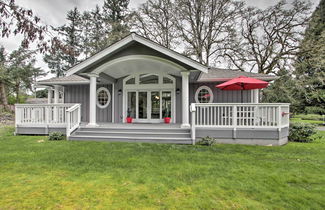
229,123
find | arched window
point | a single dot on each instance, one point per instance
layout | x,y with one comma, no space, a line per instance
204,94
103,97
149,79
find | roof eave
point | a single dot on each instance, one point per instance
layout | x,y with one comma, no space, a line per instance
146,42
63,83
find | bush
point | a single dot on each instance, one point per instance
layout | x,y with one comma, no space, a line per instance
301,132
207,141
314,110
56,136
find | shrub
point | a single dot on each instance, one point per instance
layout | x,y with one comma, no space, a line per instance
314,110
301,132
56,136
207,141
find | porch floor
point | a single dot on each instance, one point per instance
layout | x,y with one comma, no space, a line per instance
136,125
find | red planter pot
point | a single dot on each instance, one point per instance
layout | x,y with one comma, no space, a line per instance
167,119
129,119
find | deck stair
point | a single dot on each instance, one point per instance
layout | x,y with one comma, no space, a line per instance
174,135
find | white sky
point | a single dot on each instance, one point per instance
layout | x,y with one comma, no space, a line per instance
53,12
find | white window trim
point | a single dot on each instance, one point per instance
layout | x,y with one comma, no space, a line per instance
108,95
201,88
149,87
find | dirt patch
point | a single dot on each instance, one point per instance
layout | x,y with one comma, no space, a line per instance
7,118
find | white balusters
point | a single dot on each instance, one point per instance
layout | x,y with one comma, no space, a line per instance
241,115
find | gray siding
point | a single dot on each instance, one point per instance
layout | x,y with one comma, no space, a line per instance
254,136
221,96
118,105
80,94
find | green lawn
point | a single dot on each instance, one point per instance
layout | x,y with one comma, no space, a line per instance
309,118
87,175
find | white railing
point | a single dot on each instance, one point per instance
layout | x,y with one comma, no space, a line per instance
41,114
73,118
235,115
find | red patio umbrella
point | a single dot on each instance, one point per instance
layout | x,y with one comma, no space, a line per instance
243,83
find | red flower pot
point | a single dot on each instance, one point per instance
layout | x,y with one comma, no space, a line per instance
129,119
167,119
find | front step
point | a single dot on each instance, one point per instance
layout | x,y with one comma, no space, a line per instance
136,129
132,139
133,134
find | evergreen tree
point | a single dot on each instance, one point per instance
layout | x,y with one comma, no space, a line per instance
115,16
310,65
71,37
98,33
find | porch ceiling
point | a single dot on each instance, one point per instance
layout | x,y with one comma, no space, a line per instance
138,64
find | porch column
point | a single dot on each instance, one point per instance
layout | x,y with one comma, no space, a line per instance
256,96
92,100
185,99
56,94
49,95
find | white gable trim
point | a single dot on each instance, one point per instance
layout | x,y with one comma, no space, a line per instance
136,57
137,38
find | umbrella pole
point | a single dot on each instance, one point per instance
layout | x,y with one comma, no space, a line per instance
241,96
241,91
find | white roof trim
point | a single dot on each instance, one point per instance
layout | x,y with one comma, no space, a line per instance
137,38
63,83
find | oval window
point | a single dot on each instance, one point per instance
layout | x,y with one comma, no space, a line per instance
204,95
103,97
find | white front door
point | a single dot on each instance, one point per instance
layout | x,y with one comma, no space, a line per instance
150,106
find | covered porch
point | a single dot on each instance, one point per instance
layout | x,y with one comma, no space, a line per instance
228,122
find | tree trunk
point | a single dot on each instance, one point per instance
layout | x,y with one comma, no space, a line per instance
3,94
17,92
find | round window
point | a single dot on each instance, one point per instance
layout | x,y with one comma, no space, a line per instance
204,95
103,97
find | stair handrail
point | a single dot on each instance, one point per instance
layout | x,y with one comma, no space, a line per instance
73,118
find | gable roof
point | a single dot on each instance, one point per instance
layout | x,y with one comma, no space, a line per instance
218,74
137,38
72,79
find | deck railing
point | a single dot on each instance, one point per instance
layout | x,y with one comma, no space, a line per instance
235,115
73,118
41,114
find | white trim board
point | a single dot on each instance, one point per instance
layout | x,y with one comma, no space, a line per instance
144,41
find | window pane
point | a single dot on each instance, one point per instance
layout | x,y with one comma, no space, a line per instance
131,104
166,80
155,105
148,79
142,105
204,96
130,81
166,104
102,98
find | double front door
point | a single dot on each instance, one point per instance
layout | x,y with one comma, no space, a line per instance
149,105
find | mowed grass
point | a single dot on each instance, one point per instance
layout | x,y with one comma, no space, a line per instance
90,175
309,118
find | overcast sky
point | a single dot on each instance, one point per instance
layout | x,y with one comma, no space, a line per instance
53,12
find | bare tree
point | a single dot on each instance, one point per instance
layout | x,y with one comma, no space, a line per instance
154,20
267,40
205,25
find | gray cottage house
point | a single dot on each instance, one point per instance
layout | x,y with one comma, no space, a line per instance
138,91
